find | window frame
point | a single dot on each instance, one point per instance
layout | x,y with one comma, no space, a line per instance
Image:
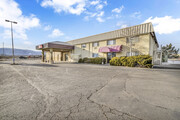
94,43
134,53
113,42
94,55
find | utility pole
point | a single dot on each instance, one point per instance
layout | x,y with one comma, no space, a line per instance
3,49
12,38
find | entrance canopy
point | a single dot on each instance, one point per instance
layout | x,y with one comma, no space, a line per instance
111,49
56,46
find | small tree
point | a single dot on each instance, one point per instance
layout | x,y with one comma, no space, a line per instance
170,51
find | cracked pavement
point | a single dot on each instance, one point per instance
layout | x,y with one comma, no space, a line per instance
35,91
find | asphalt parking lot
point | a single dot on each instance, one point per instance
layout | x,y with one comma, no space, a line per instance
31,91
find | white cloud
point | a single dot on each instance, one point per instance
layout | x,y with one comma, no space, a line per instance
94,2
99,7
124,26
56,33
48,27
78,7
118,10
69,6
165,25
100,14
136,15
105,2
99,19
10,10
121,24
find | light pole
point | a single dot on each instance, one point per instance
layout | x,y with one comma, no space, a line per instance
12,38
3,49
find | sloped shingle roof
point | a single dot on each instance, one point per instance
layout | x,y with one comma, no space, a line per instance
125,32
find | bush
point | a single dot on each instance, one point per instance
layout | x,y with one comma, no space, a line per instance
80,60
97,60
133,61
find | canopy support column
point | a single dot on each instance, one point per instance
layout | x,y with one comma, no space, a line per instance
51,56
42,55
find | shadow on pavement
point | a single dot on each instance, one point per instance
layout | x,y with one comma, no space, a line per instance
39,65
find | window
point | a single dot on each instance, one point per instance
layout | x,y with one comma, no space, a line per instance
133,53
95,55
136,53
133,39
95,44
83,46
111,42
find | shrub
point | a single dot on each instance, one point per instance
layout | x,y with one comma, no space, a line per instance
115,61
97,60
133,61
80,60
86,60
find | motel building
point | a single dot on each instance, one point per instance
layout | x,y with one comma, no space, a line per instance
130,41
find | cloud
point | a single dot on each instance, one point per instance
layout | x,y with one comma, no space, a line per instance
68,6
121,24
94,2
136,15
105,3
56,33
10,10
124,26
165,25
90,8
48,27
118,10
98,16
99,19
99,7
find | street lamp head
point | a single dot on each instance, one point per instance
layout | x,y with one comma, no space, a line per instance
11,21
15,22
7,20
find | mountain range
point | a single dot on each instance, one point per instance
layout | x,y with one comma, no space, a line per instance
19,52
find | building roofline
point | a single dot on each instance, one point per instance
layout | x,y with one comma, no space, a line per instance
124,32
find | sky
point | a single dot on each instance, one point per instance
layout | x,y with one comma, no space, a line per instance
41,21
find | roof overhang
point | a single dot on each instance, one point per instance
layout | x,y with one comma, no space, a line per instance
155,39
58,47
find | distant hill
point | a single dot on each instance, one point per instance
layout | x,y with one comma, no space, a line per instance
19,52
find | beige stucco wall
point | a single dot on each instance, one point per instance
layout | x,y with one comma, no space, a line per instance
142,46
58,56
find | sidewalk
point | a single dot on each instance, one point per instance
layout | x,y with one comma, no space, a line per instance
169,65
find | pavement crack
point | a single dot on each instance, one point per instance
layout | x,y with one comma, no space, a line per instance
112,109
97,90
45,94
